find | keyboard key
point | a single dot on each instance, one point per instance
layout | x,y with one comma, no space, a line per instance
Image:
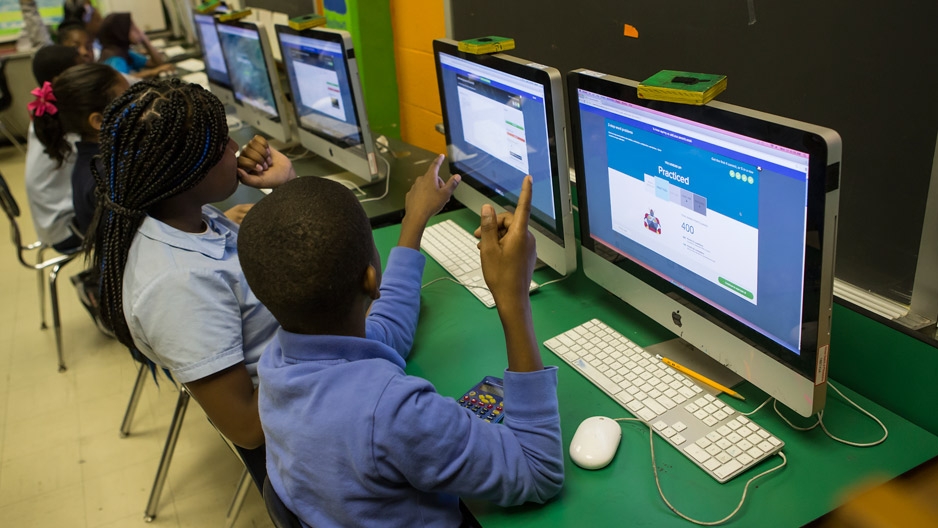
678,439
696,452
724,430
712,464
727,469
669,432
659,425
744,459
679,426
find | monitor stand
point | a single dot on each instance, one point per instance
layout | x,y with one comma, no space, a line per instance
687,355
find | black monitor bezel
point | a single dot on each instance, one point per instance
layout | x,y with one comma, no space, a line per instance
814,145
531,72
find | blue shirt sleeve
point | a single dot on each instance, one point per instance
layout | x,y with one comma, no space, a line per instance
393,317
118,63
461,454
137,61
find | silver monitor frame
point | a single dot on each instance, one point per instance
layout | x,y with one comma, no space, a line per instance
224,92
360,160
802,391
281,129
557,250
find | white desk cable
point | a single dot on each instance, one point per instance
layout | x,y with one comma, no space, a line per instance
820,421
654,468
387,181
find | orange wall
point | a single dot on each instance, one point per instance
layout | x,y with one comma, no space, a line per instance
415,24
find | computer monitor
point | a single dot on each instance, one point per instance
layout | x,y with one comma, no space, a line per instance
327,98
215,69
254,78
717,222
504,119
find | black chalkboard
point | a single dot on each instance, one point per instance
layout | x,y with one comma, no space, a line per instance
866,69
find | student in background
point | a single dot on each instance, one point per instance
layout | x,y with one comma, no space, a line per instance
81,95
48,176
116,34
351,439
74,35
81,12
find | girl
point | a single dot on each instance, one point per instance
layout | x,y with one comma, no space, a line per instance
75,35
81,94
48,177
171,283
116,34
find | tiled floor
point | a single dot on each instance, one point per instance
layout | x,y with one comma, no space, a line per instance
62,461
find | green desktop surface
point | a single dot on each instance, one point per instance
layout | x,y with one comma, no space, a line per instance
459,341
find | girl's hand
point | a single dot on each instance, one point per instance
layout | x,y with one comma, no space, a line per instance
263,167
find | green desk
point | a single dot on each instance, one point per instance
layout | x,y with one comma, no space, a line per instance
459,341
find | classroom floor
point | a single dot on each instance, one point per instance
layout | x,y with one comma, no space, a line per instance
62,461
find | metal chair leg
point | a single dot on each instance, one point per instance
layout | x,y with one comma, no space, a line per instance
56,321
167,457
134,399
244,484
42,298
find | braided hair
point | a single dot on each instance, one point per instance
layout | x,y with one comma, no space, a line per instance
158,139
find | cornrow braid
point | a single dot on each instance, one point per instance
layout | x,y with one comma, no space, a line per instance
158,139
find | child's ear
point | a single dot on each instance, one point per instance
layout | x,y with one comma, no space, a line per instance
370,283
95,120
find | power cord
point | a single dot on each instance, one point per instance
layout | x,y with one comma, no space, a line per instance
654,468
820,422
387,181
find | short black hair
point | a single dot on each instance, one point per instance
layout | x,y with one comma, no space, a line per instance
50,61
304,250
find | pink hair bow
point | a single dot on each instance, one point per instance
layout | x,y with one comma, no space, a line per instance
43,103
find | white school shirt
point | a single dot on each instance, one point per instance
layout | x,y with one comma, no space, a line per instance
187,303
49,190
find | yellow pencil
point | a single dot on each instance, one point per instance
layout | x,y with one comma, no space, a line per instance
701,378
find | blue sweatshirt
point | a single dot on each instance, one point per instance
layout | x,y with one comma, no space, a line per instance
354,441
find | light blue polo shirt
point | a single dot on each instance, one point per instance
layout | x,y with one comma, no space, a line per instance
187,303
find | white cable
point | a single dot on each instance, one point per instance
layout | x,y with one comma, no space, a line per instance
387,182
455,282
864,411
754,411
793,426
565,277
654,467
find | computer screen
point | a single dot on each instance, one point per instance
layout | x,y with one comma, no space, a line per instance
215,68
327,97
503,119
716,221
254,77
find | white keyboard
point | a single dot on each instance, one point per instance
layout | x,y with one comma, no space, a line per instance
709,432
456,250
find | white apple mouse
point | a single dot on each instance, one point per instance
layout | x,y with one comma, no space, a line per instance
595,442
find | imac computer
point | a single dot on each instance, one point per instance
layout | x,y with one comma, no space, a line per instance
327,98
717,222
254,78
215,69
504,119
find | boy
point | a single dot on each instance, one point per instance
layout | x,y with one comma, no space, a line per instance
351,439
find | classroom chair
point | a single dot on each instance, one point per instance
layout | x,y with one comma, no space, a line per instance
253,460
278,511
54,265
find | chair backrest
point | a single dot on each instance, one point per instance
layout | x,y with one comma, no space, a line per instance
278,511
8,203
6,98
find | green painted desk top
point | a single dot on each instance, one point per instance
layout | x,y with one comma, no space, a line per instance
459,341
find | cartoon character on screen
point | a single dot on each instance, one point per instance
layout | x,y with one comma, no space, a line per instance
651,222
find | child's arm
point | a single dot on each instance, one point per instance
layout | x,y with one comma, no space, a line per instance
426,197
393,317
263,167
229,399
508,256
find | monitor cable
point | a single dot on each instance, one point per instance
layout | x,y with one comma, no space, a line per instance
820,422
654,468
